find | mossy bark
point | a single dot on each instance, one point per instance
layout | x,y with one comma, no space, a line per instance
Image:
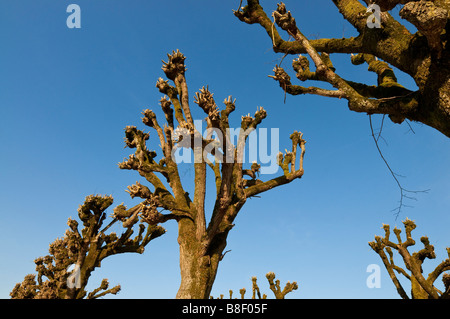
434,85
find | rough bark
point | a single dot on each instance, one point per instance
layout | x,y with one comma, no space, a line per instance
198,270
423,55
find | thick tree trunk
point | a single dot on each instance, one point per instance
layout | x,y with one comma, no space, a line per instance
198,269
435,89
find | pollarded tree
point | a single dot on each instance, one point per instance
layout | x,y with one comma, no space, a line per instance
423,55
201,243
422,287
273,285
85,250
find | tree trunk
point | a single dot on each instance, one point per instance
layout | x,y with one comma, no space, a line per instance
435,89
198,268
417,292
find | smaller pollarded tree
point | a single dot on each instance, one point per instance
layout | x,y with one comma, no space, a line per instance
421,287
273,285
85,251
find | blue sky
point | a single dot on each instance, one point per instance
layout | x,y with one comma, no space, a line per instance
67,94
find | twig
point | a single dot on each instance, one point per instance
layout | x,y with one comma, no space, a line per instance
381,127
223,255
240,6
394,175
410,127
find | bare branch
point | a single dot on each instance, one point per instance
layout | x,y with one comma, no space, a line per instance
421,287
403,191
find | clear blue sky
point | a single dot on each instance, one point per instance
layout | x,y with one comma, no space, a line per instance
67,94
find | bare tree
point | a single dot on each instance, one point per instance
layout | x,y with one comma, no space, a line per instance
423,55
421,287
201,243
85,251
